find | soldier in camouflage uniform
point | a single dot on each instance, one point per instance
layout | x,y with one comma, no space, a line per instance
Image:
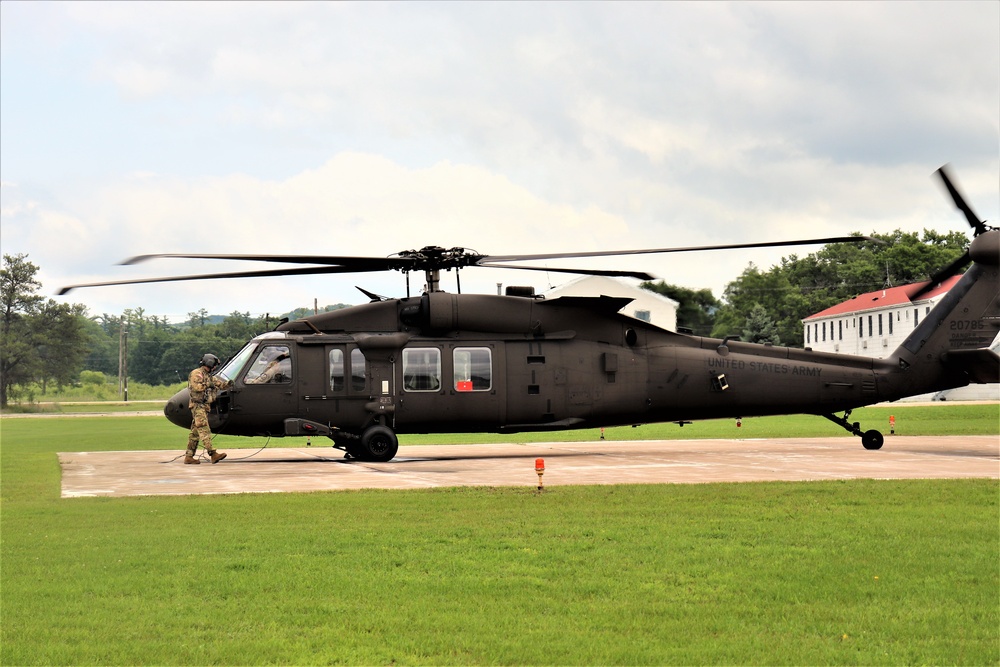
202,386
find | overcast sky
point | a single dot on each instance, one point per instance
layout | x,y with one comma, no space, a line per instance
370,128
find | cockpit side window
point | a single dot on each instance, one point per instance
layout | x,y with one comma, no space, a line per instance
272,365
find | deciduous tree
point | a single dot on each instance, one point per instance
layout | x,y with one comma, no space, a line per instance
39,340
695,308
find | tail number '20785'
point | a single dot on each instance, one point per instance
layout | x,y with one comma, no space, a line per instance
967,325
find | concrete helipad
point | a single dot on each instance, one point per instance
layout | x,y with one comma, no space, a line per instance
646,462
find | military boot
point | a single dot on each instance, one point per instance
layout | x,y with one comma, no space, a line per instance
189,458
216,456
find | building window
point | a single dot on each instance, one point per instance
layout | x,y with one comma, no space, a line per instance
840,330
871,330
890,322
824,332
916,317
880,324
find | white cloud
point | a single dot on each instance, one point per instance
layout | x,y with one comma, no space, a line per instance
367,128
356,204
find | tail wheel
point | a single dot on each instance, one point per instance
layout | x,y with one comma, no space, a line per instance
872,440
378,444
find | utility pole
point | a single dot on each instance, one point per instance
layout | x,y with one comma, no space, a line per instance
123,360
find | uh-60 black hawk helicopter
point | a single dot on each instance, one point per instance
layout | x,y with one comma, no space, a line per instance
443,362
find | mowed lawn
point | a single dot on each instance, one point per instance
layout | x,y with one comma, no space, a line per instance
860,572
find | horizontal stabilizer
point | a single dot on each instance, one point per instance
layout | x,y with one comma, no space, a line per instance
982,365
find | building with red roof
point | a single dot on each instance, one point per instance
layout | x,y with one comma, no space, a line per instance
872,324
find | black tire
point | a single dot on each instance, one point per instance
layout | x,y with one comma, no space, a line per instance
378,444
872,440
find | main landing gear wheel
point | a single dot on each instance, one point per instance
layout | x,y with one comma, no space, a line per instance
378,444
872,440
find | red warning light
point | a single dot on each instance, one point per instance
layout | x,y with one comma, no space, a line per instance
540,470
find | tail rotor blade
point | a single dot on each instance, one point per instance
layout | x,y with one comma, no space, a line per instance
978,225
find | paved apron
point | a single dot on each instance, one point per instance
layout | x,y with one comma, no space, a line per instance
644,462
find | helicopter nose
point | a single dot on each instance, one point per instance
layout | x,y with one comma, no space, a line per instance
177,410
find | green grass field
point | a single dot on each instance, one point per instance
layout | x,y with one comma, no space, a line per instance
861,572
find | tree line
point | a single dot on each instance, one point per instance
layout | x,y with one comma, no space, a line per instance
769,306
44,342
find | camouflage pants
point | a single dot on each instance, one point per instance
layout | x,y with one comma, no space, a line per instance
199,429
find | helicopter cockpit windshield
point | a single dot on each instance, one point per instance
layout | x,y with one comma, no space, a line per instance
239,360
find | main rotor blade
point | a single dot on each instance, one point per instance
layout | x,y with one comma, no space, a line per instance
305,271
489,259
641,275
978,225
355,263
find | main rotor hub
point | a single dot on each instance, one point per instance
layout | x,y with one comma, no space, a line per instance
435,258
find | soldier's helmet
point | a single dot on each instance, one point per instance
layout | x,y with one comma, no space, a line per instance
210,361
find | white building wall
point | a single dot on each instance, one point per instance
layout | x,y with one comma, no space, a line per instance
647,306
870,333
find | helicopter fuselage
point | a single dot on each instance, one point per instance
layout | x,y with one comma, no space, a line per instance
467,363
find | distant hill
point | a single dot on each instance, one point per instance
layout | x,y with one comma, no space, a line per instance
299,313
296,314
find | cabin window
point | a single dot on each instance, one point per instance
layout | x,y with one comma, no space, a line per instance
358,374
644,315
473,369
273,365
336,370
422,369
